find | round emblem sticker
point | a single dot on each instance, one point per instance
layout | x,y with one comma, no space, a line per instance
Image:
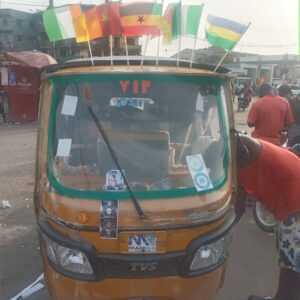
196,163
202,181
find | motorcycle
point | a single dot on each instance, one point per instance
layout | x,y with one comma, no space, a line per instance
243,103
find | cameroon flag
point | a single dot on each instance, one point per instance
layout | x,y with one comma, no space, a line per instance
143,18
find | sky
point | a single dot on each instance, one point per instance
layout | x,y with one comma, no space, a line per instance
273,29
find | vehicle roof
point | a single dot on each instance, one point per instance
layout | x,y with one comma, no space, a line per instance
133,64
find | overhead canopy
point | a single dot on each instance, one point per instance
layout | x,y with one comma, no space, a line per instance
33,59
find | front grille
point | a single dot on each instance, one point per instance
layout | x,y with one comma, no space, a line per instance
135,266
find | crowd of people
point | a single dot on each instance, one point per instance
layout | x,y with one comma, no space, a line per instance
269,170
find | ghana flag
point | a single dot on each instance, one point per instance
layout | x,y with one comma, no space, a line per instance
224,33
141,18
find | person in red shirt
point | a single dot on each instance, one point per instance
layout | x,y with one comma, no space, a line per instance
272,175
269,116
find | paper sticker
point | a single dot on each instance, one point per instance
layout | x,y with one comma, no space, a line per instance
69,105
142,243
64,147
109,212
138,103
199,172
114,181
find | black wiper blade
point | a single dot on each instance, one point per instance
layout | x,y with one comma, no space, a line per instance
116,161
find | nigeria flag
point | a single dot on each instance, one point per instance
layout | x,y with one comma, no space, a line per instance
183,19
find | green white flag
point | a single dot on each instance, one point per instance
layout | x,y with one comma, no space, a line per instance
184,19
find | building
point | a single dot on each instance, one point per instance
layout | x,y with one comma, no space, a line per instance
17,31
273,69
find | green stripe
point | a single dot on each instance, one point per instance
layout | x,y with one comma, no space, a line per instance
51,25
176,21
193,16
141,9
219,42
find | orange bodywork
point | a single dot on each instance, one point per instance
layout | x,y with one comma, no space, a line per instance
175,222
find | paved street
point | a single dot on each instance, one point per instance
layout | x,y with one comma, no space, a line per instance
252,266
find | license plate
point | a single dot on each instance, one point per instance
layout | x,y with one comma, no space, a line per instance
142,243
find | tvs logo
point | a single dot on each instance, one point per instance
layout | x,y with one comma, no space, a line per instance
143,267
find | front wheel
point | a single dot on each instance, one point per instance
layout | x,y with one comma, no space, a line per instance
263,218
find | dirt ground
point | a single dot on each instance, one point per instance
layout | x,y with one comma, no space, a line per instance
252,265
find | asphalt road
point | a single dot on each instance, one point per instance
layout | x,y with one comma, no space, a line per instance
252,267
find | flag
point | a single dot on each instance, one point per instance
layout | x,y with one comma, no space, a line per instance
110,18
183,19
224,33
141,18
88,25
59,22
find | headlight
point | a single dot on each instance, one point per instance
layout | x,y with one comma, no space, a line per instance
71,260
210,255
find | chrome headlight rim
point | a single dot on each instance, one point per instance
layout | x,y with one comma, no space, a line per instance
86,249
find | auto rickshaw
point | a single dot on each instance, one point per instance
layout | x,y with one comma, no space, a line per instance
135,179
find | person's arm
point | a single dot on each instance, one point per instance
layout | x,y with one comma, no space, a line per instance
252,116
289,118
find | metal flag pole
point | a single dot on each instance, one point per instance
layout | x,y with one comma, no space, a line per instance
111,49
228,51
157,53
91,54
145,49
158,41
221,61
180,31
126,49
193,52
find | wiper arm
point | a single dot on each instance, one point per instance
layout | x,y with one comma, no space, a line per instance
116,161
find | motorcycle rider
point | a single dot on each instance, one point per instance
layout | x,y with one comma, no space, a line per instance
272,175
270,116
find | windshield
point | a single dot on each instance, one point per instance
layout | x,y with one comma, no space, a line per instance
167,132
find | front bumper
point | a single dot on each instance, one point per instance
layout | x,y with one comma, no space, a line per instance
164,276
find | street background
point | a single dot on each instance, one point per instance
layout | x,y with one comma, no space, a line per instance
252,267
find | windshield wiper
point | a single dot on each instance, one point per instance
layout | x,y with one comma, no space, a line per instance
116,161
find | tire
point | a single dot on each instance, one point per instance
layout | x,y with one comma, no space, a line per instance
263,218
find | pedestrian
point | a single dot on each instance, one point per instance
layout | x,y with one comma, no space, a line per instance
270,116
272,175
294,101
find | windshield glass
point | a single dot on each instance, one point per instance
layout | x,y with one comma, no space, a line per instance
168,133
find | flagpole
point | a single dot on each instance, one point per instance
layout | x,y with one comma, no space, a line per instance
111,49
159,37
91,54
228,51
193,52
145,50
126,48
180,38
221,61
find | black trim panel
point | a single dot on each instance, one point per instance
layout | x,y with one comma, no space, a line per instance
140,265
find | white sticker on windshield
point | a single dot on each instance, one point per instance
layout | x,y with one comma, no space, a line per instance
138,103
64,147
199,172
69,105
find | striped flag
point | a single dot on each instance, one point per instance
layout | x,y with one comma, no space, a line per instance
59,22
224,33
141,18
183,19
